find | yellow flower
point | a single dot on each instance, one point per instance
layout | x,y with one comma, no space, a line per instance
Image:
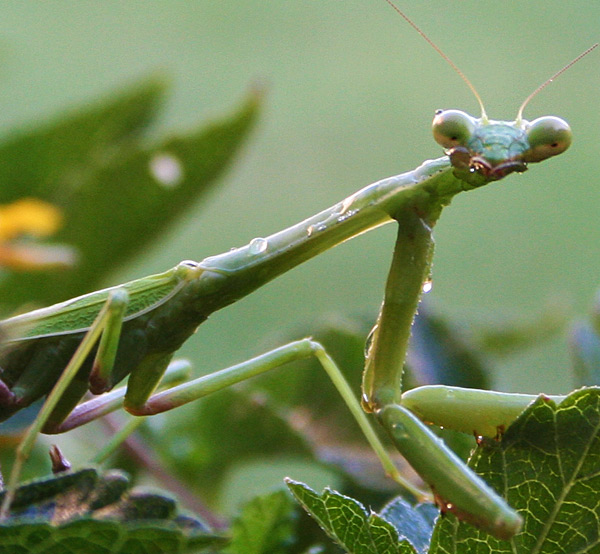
33,217
29,216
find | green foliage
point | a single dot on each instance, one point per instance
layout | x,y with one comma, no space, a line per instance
117,194
546,466
348,523
545,470
266,524
98,514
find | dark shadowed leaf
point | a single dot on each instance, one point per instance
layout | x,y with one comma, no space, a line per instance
413,522
440,355
99,514
585,353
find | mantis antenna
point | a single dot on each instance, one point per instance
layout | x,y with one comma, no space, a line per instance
484,116
519,118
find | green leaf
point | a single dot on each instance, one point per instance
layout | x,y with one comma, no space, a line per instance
265,526
94,513
116,194
42,160
348,523
507,336
546,465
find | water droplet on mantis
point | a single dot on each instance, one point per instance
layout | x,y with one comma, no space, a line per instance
258,246
346,215
427,285
312,229
166,170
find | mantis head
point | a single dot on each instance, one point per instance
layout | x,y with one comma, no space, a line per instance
483,150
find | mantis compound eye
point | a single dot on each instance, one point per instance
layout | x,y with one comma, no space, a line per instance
452,128
548,136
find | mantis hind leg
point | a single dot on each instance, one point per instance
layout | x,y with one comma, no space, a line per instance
203,386
56,403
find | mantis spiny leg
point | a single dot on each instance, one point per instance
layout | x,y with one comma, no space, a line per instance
203,386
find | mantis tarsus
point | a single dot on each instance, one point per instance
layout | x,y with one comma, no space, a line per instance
94,341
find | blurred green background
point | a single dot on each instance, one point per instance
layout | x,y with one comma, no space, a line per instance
351,94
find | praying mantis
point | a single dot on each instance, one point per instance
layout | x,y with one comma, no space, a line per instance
94,341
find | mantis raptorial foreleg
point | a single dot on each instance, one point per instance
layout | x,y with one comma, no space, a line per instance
382,386
478,412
